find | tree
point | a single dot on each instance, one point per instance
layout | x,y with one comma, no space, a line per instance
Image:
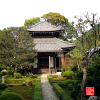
88,44
55,18
60,20
31,22
21,52
6,46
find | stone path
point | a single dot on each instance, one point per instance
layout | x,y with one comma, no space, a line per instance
47,90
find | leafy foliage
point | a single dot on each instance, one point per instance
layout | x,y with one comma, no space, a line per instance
18,50
68,74
17,75
32,21
3,86
22,71
10,96
74,93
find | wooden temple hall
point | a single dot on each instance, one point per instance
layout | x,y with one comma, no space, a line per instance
51,50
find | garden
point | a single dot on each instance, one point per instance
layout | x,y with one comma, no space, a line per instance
68,86
20,86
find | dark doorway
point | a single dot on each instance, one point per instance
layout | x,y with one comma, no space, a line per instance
43,62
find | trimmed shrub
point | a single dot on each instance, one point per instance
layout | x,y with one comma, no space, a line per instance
17,75
10,96
10,72
74,93
14,81
68,74
63,69
22,71
3,86
38,90
62,95
70,86
29,82
68,81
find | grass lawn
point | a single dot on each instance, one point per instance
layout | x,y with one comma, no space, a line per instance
26,92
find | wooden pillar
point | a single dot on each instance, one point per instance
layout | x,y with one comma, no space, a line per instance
55,66
59,61
49,65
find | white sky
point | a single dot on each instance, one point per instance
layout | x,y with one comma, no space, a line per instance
14,12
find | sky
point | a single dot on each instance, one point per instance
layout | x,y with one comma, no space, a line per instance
14,12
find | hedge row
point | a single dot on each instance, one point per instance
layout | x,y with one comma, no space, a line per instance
51,80
59,91
62,95
38,90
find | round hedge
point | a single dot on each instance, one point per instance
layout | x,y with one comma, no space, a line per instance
10,96
3,86
18,75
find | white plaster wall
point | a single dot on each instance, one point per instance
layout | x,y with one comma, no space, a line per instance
61,54
35,66
51,62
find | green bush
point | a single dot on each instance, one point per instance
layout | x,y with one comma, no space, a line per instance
29,82
74,94
3,86
38,90
1,74
14,81
68,81
62,95
78,75
68,74
70,86
17,75
22,71
10,72
10,96
77,84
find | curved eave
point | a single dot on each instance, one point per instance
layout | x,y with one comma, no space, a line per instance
68,48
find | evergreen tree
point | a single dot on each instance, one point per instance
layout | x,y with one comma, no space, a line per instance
19,44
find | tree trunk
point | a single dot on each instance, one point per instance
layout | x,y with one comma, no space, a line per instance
16,68
83,97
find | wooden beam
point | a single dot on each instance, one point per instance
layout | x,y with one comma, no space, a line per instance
55,66
49,65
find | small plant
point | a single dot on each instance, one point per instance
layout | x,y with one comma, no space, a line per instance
68,74
10,72
17,75
3,86
10,96
22,71
70,86
29,82
69,81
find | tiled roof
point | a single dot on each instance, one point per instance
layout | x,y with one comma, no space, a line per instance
44,26
51,44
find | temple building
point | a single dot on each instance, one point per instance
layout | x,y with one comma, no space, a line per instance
51,50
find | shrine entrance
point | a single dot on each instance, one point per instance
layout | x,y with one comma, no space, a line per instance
43,62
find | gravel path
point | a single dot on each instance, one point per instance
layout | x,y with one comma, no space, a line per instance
47,90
